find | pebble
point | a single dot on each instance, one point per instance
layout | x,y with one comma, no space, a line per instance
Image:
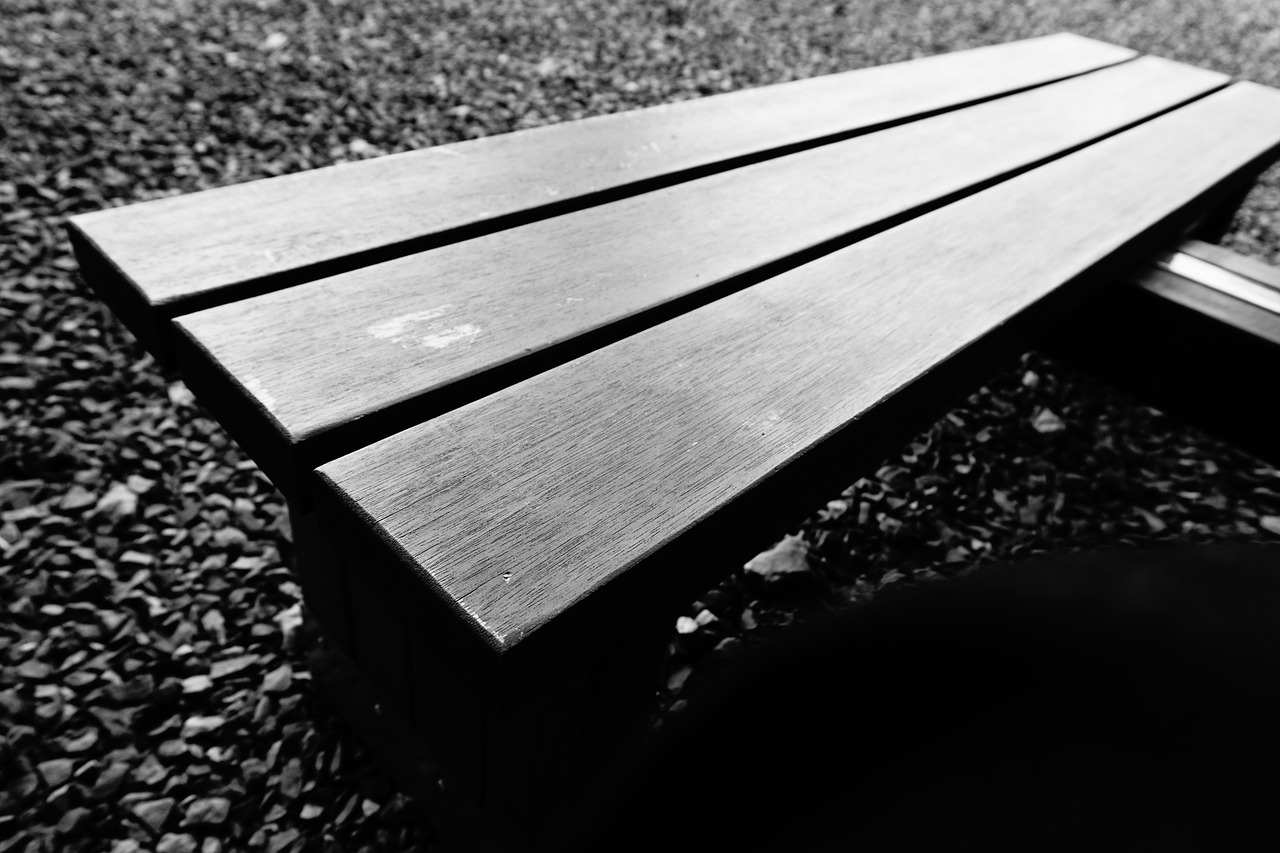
201,725
56,771
291,779
278,680
173,842
211,810
196,684
109,780
281,840
151,771
154,813
73,820
224,668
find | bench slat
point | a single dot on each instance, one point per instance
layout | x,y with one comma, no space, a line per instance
522,503
442,327
172,255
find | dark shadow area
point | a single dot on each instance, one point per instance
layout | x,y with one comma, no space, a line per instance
1123,700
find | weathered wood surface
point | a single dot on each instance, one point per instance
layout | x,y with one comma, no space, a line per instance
171,255
408,338
525,502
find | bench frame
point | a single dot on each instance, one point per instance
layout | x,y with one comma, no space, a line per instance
541,738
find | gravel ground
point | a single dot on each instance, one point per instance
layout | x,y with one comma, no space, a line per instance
153,683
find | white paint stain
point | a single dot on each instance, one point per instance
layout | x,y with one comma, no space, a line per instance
439,340
401,329
258,390
424,328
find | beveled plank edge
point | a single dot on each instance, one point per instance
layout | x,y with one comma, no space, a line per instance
1242,265
314,447
118,292
167,309
241,415
475,657
756,517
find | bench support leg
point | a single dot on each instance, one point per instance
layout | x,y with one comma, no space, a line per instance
519,757
322,577
545,754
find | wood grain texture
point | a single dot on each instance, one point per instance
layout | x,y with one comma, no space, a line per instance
1251,268
214,246
441,327
523,504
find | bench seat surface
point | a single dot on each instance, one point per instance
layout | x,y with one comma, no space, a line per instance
527,367
430,323
585,469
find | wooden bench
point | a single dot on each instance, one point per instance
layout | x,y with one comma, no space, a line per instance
527,395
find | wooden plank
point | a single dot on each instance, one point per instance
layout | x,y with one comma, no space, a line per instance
1243,265
445,326
522,507
163,257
